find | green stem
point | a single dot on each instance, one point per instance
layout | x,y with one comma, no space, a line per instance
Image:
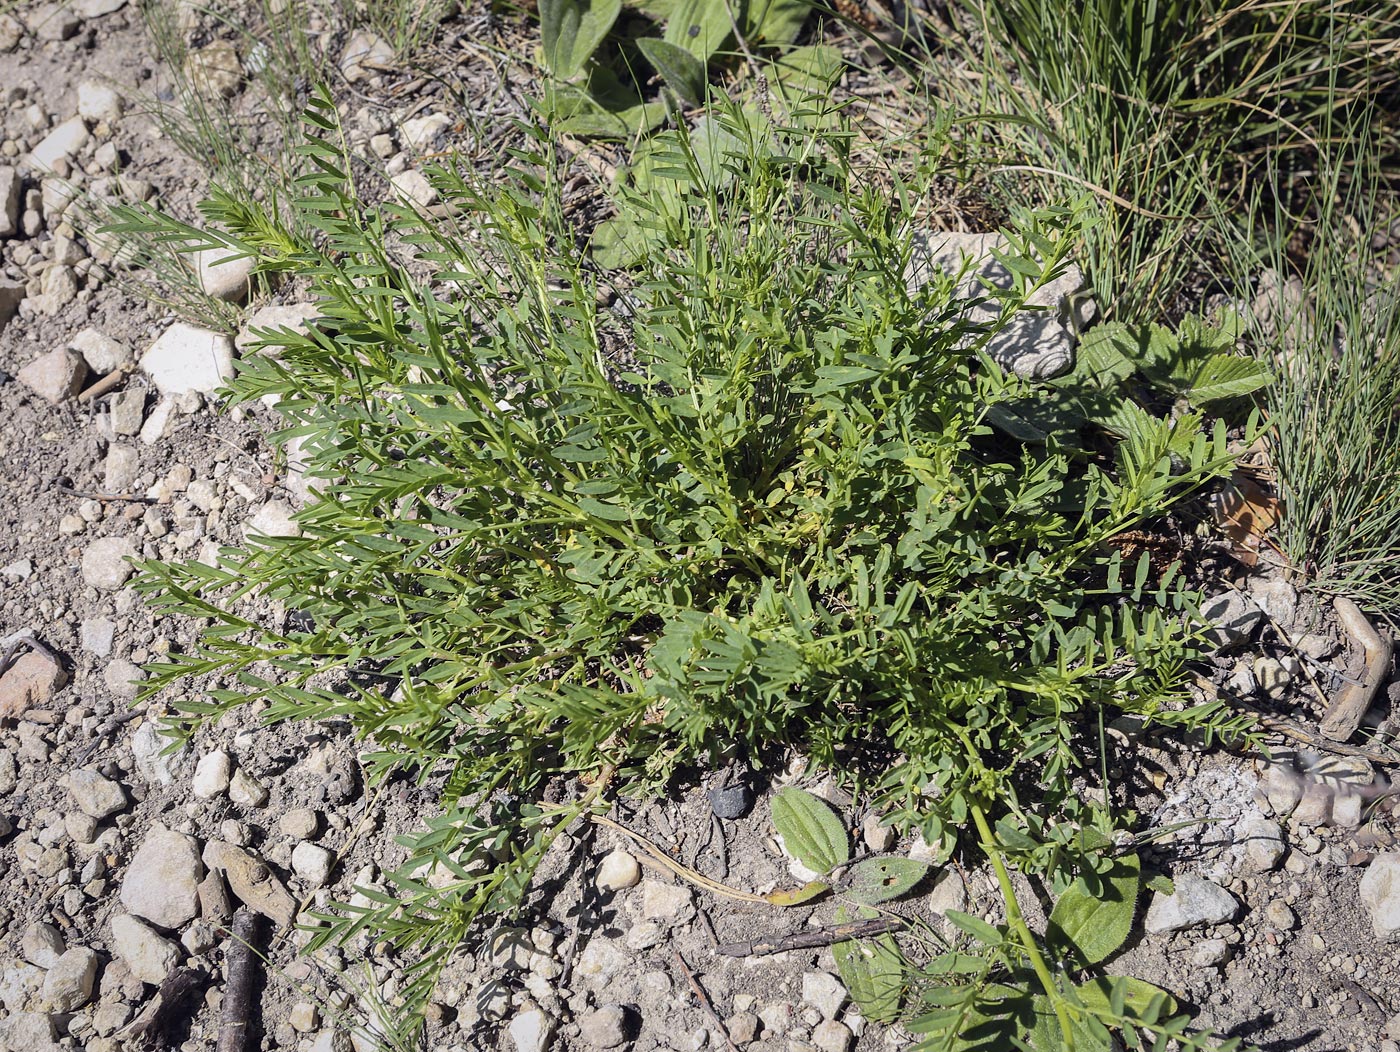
1018,926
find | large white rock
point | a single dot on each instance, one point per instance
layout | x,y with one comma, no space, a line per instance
212,774
532,1030
162,882
1380,894
98,101
149,956
186,358
61,143
9,201
1036,344
105,564
68,986
224,275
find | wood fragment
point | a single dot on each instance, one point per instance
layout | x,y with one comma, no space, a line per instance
102,386
241,984
808,940
704,1000
164,1022
1345,712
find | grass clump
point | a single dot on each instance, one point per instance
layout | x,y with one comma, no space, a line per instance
756,505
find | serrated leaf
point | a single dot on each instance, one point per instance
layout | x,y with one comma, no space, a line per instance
882,879
682,71
810,830
874,975
1091,927
795,897
1224,376
572,30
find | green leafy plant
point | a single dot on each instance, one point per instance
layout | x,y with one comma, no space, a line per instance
600,91
562,551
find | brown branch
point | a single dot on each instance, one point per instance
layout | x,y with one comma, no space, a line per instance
808,940
241,970
704,1000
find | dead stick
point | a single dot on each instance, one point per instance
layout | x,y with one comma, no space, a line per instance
809,940
241,980
102,386
1343,716
705,1001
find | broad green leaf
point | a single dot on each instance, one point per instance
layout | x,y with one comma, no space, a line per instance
810,830
683,72
882,879
572,30
1046,1036
975,926
1137,996
1092,928
874,974
775,22
699,26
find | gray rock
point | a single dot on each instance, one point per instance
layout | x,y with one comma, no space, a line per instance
1347,809
1280,915
1282,787
162,881
62,143
1380,894
29,1032
186,358
670,903
1263,845
102,353
294,316
300,823
1036,344
1195,903
68,986
731,801
95,795
55,377
42,945
153,763
98,101
244,789
1210,953
831,1036
9,201
121,467
123,678
96,8
148,955
1277,598
412,187
1315,806
606,1028
105,564
878,837
824,992
273,519
20,983
97,634
1235,617
363,51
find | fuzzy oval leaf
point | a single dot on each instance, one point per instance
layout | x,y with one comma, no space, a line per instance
810,830
974,926
1090,927
872,972
882,879
571,30
1136,997
796,896
683,72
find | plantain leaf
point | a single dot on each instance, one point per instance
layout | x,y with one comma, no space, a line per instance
776,22
974,926
882,879
699,26
1093,927
810,830
1135,998
572,30
683,72
872,970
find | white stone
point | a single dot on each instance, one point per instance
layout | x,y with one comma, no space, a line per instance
532,1030
162,881
212,774
120,468
294,316
618,870
312,863
148,955
831,1036
98,101
412,187
55,377
1263,845
223,274
68,986
158,422
9,201
95,8
364,49
1380,894
1234,615
421,133
42,944
105,564
97,634
244,789
824,992
1196,902
670,903
62,143
186,358
605,1028
273,519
